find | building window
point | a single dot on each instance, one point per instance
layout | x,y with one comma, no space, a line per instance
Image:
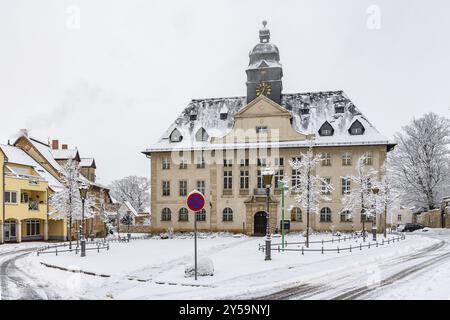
296,215
244,179
244,162
279,162
326,159
201,186
201,135
11,197
166,163
346,216
183,188
227,215
183,163
346,158
325,215
261,129
166,188
295,178
326,129
327,181
227,163
166,214
183,215
262,162
345,186
200,162
279,175
33,227
227,180
176,136
201,215
24,197
259,179
356,128
368,161
399,217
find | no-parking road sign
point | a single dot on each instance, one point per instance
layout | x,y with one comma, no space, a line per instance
195,201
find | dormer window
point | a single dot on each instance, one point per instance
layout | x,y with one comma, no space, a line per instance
356,128
339,109
176,136
326,129
223,116
304,111
201,135
193,115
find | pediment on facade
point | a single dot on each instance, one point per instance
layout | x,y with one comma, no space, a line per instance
262,107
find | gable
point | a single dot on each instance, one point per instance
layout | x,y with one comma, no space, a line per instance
262,107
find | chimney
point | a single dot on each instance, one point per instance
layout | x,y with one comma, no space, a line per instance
55,144
64,147
24,132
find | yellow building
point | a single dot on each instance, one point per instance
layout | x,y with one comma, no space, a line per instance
26,187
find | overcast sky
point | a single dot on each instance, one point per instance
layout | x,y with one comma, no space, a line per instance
112,84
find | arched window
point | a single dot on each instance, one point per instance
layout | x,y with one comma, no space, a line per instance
296,215
176,136
166,214
326,129
346,216
325,215
201,215
201,135
227,214
183,215
356,128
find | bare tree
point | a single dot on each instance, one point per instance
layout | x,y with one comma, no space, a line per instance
420,162
133,189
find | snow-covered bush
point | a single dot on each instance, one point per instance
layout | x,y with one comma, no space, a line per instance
205,267
164,236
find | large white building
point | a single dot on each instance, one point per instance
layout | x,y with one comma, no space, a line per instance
220,146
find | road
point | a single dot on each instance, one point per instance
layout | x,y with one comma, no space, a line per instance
16,284
354,283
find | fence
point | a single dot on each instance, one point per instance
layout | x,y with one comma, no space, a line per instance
97,244
338,250
337,240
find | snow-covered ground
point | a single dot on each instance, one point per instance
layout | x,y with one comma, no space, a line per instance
154,269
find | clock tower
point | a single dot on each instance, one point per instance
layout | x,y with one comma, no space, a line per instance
264,71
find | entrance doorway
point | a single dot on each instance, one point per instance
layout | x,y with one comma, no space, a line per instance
9,228
260,224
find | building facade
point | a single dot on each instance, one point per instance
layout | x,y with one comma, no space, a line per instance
221,146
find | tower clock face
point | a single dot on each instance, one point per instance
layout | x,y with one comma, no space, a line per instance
263,88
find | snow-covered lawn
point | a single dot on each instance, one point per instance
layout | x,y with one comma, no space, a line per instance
155,268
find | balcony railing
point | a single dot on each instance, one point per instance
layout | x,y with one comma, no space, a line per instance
33,206
260,192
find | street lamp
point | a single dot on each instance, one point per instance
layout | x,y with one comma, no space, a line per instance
267,180
83,193
375,191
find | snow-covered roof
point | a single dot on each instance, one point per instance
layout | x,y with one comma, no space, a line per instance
87,163
65,154
18,156
127,206
309,112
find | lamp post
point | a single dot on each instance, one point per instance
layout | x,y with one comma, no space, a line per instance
83,192
267,179
375,191
363,218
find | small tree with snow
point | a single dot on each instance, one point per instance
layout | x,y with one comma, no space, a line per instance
358,190
66,203
387,195
309,188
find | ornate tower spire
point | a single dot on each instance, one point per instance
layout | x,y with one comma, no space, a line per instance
264,71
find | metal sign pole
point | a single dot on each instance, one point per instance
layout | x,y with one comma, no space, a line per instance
195,244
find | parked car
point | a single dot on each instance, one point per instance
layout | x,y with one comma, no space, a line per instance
410,227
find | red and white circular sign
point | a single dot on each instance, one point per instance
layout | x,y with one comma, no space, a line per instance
195,201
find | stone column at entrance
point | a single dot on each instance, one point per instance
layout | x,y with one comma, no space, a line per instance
46,230
18,231
1,232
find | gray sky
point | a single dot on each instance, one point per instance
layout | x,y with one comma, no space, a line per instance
113,85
